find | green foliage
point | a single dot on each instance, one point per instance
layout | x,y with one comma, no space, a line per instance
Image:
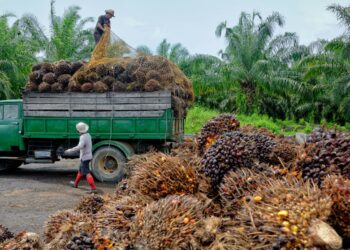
17,53
199,115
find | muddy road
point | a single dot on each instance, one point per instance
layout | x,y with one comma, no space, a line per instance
33,192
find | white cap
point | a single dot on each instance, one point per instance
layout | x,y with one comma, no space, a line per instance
82,127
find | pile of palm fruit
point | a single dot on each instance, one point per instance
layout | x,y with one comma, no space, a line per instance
142,73
244,188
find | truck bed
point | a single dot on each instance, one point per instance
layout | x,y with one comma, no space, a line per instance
135,115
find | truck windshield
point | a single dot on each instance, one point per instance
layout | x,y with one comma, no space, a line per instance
10,112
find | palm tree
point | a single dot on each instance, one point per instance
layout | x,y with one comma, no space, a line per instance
253,56
68,39
17,55
176,52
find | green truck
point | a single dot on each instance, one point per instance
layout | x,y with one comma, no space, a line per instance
41,126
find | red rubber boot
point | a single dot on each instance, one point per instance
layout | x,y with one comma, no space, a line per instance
77,179
91,182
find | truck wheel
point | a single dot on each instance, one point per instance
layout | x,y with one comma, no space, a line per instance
108,164
9,164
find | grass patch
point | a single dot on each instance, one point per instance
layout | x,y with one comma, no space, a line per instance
197,116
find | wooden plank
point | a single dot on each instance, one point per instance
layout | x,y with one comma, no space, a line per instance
95,107
121,100
98,95
115,114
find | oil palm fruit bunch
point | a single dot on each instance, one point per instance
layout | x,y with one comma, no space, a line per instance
87,87
23,241
64,79
63,67
50,78
249,129
76,66
338,188
161,175
285,152
214,128
74,86
331,156
44,87
238,187
264,146
320,134
167,224
57,87
36,76
231,151
113,221
90,204
31,86
102,70
81,241
5,234
62,226
100,87
47,68
288,214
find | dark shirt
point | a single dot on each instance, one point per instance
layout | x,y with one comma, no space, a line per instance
103,20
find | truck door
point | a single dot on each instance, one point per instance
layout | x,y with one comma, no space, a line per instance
9,127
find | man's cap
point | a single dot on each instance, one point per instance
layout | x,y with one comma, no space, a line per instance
82,127
110,11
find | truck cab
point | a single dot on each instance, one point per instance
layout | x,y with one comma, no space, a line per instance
12,147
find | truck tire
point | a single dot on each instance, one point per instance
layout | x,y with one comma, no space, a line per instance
6,165
108,164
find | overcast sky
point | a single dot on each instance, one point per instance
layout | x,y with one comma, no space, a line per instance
190,22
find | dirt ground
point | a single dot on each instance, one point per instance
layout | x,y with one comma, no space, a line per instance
35,191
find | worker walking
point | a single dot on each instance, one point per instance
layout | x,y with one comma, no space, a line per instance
85,147
102,23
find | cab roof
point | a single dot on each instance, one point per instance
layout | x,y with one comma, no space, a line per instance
11,101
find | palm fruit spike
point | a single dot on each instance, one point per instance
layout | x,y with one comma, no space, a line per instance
90,204
50,78
289,216
24,240
161,175
151,228
238,187
320,134
113,221
339,190
231,151
214,128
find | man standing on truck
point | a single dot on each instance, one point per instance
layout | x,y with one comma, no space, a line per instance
103,22
85,147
